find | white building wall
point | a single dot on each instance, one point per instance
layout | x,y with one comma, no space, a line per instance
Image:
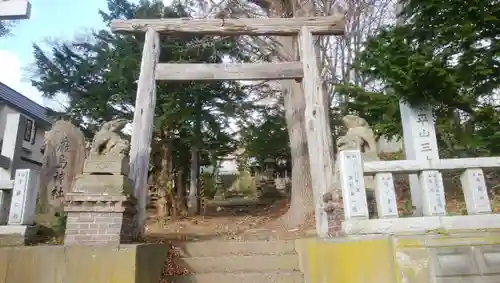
388,146
31,149
227,167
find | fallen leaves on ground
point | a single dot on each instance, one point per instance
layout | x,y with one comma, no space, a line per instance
172,266
250,223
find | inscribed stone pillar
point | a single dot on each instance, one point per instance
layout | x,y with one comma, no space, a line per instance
64,155
420,143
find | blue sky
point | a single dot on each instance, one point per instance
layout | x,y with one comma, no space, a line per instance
49,19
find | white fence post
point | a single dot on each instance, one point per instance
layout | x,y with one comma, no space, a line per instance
433,200
24,193
385,196
352,182
475,191
433,197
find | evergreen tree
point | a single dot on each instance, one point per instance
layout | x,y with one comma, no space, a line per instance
445,54
98,75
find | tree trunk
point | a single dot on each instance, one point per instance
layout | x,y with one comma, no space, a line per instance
165,175
193,183
193,202
301,204
180,199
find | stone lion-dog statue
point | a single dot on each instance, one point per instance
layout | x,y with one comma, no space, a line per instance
108,141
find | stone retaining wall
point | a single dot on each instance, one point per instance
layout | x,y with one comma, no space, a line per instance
433,258
141,263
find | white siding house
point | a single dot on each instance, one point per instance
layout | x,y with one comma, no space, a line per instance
37,123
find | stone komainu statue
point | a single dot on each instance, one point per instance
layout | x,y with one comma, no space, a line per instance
108,141
359,136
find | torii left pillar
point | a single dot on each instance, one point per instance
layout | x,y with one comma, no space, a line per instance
15,10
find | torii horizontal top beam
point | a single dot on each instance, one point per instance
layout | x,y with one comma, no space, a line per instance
327,25
225,71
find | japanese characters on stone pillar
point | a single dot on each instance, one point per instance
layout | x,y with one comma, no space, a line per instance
475,191
385,195
64,155
61,151
420,143
353,184
433,202
22,207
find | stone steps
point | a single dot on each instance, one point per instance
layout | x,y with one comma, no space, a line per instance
242,262
247,263
223,248
243,277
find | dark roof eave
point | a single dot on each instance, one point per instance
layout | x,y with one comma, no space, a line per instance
23,104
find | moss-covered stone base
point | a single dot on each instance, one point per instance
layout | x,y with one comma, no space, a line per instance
439,258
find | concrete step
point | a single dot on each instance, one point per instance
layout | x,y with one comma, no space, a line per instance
250,277
251,263
222,248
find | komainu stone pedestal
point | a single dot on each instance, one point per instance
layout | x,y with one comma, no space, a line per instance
99,219
104,175
100,210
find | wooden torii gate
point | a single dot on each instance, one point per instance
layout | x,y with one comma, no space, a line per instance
14,9
318,131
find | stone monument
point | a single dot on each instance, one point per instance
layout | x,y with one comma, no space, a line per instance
266,180
63,158
359,136
100,209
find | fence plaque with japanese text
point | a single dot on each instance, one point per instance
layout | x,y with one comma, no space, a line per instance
434,202
353,184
